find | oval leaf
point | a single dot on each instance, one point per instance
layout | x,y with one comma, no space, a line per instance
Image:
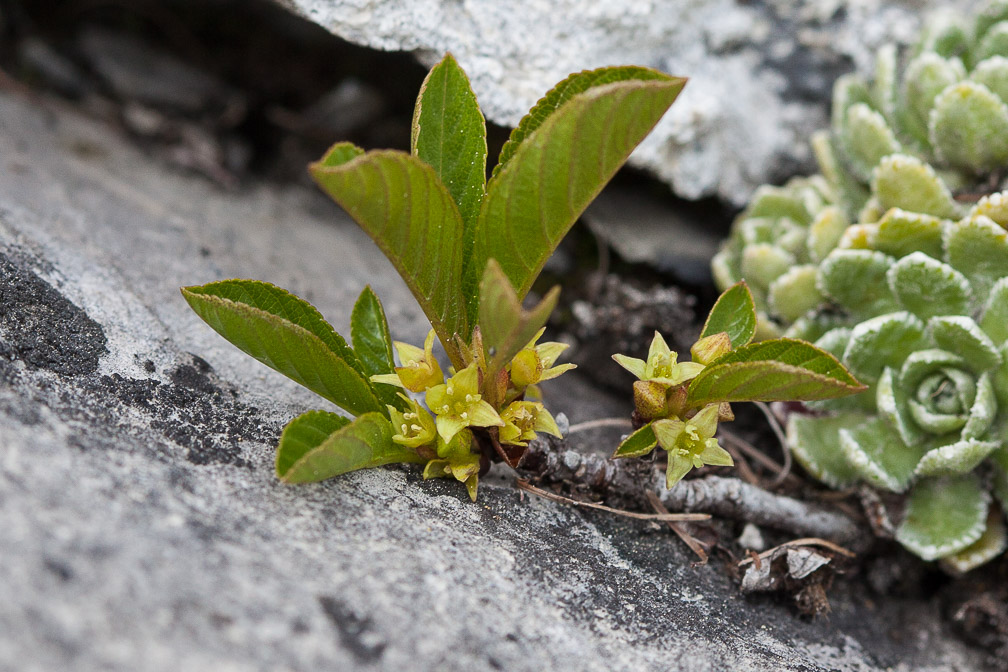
733,313
287,334
319,445
557,170
579,82
372,343
400,202
778,370
449,134
944,516
638,444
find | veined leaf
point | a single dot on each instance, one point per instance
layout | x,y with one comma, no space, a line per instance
576,83
449,134
400,202
556,171
287,334
372,343
505,325
778,370
319,445
640,443
733,313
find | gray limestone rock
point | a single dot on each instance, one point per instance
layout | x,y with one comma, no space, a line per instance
760,72
141,525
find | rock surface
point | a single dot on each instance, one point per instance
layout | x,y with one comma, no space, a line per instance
141,525
761,72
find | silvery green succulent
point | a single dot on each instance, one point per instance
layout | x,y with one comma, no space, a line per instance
940,103
917,308
775,245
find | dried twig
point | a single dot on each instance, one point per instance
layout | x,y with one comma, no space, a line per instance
623,423
775,425
626,481
680,530
661,517
808,541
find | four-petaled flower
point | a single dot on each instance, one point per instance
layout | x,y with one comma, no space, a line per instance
457,404
419,370
522,419
534,363
690,443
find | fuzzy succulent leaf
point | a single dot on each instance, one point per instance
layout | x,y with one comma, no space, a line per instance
815,442
944,516
927,287
968,127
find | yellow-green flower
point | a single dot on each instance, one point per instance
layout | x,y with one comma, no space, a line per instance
690,443
522,419
414,427
419,370
534,363
457,404
662,365
456,459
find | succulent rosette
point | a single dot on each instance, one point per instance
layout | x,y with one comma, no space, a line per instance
917,308
940,106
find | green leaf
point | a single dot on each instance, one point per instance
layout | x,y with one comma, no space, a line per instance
867,138
372,343
574,84
815,443
878,454
901,232
777,370
969,127
795,292
400,202
319,445
978,248
449,134
505,325
560,167
856,279
990,545
926,76
902,181
733,313
994,320
638,444
927,287
960,457
287,334
944,516
340,153
961,335
883,341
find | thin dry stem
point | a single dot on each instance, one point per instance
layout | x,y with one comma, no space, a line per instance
662,517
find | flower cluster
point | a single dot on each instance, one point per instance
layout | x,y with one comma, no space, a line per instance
686,435
441,430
